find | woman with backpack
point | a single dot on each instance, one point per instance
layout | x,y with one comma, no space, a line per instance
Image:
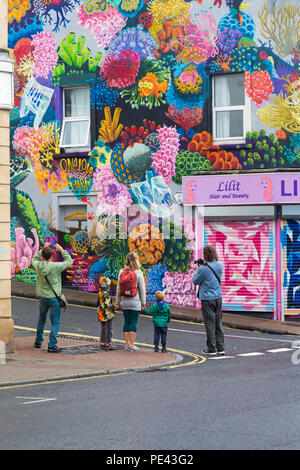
131,297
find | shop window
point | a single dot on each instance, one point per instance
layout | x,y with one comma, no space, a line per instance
75,134
231,109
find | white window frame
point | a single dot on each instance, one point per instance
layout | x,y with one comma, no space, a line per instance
82,147
246,108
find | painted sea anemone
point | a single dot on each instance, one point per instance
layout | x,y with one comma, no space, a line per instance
133,39
121,70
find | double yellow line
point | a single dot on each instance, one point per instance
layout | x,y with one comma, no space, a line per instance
195,359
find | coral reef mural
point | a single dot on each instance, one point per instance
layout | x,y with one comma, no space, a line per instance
147,66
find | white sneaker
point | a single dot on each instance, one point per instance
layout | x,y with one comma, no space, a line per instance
128,348
135,348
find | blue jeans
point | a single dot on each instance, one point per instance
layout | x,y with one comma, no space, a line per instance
45,305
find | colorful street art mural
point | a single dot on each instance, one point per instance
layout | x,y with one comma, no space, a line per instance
290,240
148,65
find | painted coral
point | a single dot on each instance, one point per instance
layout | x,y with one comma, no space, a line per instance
121,70
133,39
147,241
185,118
164,159
112,197
258,86
179,288
44,53
103,26
201,35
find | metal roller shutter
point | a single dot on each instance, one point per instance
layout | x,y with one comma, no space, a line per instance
247,251
290,259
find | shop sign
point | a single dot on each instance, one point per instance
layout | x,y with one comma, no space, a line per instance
232,189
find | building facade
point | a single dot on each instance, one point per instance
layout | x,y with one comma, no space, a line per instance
117,102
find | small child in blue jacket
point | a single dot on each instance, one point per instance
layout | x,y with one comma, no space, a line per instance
161,316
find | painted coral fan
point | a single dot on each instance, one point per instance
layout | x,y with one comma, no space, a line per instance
185,118
259,86
112,197
133,39
44,53
121,70
164,159
48,9
103,26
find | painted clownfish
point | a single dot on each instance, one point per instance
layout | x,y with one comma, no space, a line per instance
149,85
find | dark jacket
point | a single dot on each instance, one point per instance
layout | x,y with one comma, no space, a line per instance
161,313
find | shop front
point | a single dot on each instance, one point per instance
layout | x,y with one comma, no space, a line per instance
253,220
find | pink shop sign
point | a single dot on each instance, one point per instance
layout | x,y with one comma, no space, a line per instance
232,189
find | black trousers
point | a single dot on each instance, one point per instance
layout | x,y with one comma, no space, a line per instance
160,332
212,316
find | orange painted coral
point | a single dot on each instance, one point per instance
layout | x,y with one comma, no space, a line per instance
148,243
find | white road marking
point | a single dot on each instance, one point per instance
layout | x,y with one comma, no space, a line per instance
234,336
250,354
34,400
280,350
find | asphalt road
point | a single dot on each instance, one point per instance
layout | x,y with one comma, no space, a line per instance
248,400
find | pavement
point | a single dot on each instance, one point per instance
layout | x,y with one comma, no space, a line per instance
82,357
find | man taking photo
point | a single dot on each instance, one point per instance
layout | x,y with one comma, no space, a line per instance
43,266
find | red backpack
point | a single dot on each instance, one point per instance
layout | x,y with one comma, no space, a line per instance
128,285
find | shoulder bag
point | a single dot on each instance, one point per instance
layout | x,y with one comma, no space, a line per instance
62,299
205,264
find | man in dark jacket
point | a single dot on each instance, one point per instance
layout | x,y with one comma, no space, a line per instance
208,278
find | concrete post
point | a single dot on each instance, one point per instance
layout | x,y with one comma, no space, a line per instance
6,322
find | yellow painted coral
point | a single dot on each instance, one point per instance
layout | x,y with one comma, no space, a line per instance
110,129
282,26
283,113
17,9
162,10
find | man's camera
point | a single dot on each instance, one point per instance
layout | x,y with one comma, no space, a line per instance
199,261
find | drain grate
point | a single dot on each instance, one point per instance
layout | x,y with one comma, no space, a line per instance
85,349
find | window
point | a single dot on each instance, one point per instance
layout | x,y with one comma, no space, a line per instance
75,134
231,109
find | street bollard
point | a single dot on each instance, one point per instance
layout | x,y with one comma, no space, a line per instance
2,352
